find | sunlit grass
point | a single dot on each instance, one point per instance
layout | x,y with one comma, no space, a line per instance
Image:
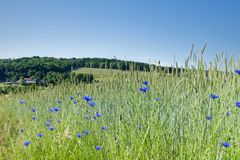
139,127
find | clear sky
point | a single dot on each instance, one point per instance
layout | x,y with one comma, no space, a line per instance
140,30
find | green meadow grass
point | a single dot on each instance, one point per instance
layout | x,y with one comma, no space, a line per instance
99,74
175,127
107,74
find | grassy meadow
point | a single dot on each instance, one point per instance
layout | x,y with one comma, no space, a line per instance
173,116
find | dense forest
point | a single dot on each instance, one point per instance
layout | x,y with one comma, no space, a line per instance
49,69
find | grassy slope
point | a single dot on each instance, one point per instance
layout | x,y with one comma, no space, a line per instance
98,73
107,74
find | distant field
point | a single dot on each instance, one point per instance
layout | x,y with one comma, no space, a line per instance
101,74
97,71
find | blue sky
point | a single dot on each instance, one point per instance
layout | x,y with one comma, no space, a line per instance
140,30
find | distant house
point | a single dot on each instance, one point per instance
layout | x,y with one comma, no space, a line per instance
27,81
11,83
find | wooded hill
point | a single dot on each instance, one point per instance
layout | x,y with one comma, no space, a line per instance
43,67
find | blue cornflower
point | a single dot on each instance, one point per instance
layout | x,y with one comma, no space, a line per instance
104,128
208,117
50,109
86,132
87,98
238,104
26,143
53,109
91,104
145,83
237,71
144,89
47,124
40,135
79,135
51,128
21,101
32,109
225,144
71,97
74,101
58,101
157,99
21,130
228,113
140,127
98,114
213,96
56,109
34,118
98,148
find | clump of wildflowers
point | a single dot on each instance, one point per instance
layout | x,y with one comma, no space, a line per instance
56,109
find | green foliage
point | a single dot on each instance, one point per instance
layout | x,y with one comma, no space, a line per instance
39,67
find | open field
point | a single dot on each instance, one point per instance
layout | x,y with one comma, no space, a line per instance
97,71
106,74
99,74
125,119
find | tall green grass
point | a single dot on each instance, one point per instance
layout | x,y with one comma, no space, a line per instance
139,127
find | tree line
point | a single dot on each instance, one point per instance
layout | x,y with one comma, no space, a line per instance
51,70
